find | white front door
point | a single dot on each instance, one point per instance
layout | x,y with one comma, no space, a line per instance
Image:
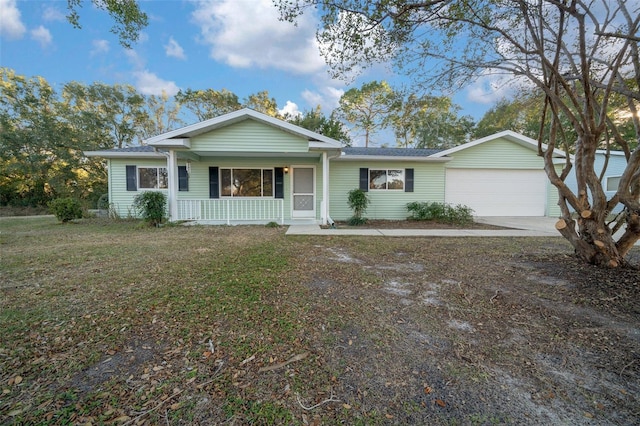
304,192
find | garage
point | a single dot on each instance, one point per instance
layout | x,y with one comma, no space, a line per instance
498,192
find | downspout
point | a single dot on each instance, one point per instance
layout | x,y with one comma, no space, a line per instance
326,219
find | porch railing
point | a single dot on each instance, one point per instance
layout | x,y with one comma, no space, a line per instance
232,210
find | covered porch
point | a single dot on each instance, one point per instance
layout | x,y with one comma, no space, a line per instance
231,211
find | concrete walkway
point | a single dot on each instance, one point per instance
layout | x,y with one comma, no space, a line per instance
519,227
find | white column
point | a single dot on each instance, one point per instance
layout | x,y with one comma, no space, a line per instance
325,188
172,198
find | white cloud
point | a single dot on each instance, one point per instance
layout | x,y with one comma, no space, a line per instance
11,25
42,36
52,13
327,97
135,59
99,47
247,33
490,88
291,108
173,49
150,84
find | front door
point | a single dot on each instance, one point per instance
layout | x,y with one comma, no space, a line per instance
304,197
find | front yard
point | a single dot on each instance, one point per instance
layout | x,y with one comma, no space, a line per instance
110,322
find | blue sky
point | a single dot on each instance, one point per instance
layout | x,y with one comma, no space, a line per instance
238,45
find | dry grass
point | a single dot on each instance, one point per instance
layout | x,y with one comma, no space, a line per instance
112,322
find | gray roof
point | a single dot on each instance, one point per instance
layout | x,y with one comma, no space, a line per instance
385,152
390,152
140,148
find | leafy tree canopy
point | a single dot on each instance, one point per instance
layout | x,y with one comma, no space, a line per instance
129,18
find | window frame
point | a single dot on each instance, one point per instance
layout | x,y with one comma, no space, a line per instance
617,179
262,171
386,183
158,179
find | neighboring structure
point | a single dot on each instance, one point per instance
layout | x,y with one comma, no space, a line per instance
247,167
610,176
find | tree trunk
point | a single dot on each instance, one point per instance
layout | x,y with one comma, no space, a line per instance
593,242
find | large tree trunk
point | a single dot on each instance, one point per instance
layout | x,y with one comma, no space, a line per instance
594,243
586,213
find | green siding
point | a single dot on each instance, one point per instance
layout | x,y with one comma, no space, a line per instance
497,154
119,197
345,176
249,136
199,179
199,176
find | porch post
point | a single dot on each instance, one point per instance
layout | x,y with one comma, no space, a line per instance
325,188
172,198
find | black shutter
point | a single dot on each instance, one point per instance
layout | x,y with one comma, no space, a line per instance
364,179
279,182
183,178
132,182
408,180
214,186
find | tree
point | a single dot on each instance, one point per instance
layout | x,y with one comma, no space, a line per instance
118,109
369,107
129,18
317,122
581,55
261,102
33,158
161,116
209,103
430,122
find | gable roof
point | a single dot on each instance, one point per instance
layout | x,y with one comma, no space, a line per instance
179,137
508,135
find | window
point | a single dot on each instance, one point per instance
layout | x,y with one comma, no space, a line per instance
613,182
152,178
246,182
386,179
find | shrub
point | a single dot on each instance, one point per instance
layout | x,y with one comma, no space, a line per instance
442,212
66,209
358,202
151,206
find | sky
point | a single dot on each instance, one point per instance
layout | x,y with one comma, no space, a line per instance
238,45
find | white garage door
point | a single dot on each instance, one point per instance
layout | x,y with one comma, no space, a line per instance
493,192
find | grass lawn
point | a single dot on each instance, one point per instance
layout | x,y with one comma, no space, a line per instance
112,322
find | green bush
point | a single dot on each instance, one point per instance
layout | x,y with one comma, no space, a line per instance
358,202
66,209
441,212
151,206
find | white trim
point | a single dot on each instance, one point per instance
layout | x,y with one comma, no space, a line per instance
172,196
506,134
316,139
311,213
615,153
325,189
123,154
138,167
262,169
173,143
